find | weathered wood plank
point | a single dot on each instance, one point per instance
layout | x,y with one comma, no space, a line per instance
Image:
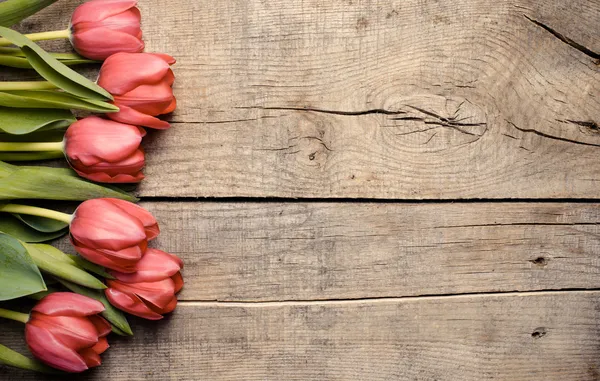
542,336
447,99
312,251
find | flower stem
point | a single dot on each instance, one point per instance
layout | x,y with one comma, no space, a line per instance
52,35
14,315
31,147
35,211
17,360
29,85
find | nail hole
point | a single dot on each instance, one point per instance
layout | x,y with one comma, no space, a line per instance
311,156
538,333
540,261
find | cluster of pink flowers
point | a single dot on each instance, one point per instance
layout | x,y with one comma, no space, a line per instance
65,330
108,150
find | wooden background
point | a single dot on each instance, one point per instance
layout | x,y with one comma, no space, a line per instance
372,190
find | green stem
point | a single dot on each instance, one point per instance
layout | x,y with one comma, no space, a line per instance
53,35
31,147
17,360
35,211
14,315
29,85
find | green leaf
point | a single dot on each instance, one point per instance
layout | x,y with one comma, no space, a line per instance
43,135
30,156
52,99
47,183
19,121
19,276
113,315
13,11
44,225
48,259
54,71
117,331
17,360
9,224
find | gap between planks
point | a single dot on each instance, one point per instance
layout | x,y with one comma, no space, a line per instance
383,299
366,200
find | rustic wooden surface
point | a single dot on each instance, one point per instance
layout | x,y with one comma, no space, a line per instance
319,251
372,99
538,336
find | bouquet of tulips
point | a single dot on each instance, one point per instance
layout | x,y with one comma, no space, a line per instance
83,297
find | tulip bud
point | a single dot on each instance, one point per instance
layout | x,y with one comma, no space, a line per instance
101,28
150,291
105,151
65,331
141,86
112,233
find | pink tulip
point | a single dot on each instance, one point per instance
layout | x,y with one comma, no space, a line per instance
150,291
65,331
101,28
112,233
141,86
105,151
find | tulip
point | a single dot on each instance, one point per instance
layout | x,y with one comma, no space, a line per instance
112,233
141,86
65,331
98,149
105,151
150,291
101,28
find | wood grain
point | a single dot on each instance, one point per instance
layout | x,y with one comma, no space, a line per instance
314,251
375,99
542,336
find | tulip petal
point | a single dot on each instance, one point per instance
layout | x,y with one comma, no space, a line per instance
169,307
178,281
98,10
121,178
93,140
171,107
125,22
49,350
109,260
91,358
140,213
74,332
154,266
102,43
128,170
99,224
131,304
158,293
148,99
123,72
129,115
103,327
165,57
68,304
101,346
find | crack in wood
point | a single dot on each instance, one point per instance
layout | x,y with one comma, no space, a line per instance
565,39
334,112
542,134
384,299
518,224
